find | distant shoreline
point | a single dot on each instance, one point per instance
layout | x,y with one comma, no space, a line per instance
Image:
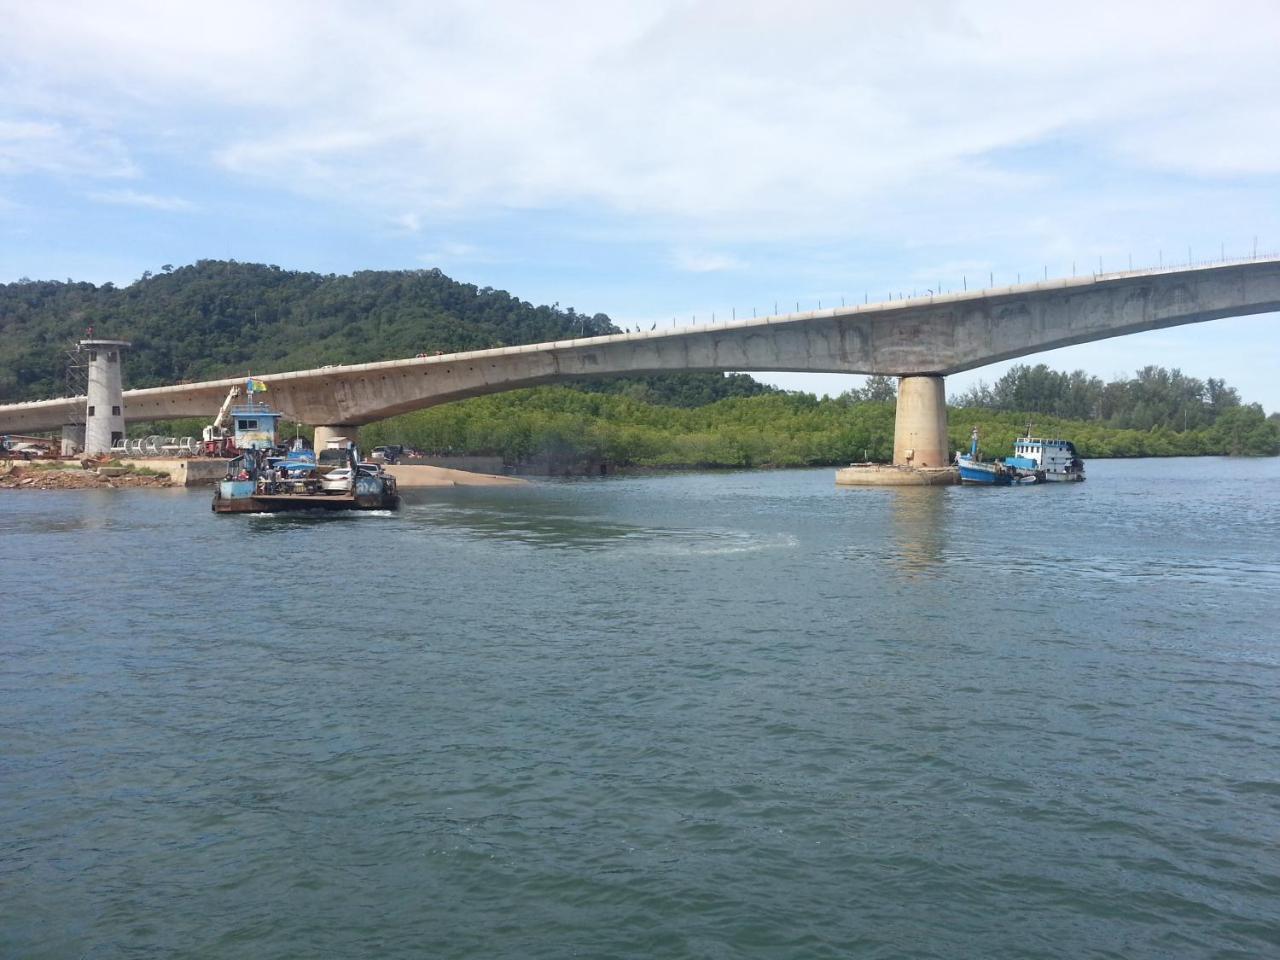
30,475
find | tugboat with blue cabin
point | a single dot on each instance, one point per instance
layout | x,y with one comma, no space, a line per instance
1049,460
1034,460
265,478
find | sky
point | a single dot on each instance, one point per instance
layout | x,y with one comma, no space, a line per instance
658,161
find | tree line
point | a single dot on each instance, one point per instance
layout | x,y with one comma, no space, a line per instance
218,318
778,429
1153,397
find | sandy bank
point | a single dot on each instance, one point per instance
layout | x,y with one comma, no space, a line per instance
412,476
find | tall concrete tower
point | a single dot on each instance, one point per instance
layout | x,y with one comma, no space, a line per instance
104,410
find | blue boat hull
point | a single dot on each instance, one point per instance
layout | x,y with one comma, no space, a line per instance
987,474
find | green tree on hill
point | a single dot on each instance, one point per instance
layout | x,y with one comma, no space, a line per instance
222,318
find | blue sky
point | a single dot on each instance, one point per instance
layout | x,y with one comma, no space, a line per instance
656,160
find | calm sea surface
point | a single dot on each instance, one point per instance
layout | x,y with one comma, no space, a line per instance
710,715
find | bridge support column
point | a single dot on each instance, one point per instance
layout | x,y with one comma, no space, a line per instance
104,409
72,439
327,432
920,428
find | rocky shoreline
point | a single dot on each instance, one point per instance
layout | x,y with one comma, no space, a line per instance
88,475
26,476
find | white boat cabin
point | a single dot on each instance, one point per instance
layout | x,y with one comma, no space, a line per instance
1057,458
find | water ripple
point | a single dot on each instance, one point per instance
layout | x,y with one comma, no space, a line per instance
723,715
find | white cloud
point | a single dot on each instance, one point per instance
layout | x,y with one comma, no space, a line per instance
47,146
408,222
134,198
704,261
735,151
724,119
454,252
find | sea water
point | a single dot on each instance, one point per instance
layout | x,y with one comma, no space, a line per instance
743,714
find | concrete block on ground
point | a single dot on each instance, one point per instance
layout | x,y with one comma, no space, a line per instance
193,472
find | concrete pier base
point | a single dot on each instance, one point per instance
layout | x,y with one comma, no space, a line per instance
327,432
921,457
888,475
193,472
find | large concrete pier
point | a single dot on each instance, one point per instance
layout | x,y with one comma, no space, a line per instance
921,457
920,427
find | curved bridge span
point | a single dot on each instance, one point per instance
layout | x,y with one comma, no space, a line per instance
924,338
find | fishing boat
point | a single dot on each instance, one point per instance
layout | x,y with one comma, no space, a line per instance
1049,460
263,478
990,473
1034,460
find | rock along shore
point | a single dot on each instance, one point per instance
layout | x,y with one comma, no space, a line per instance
20,475
23,476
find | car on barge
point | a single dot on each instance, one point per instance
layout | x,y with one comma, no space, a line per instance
265,479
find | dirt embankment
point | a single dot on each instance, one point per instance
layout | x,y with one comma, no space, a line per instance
23,476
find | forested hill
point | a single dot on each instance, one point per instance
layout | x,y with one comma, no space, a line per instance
223,318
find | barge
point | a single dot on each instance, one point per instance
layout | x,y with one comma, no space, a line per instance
264,478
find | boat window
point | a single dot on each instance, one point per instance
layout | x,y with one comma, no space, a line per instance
248,425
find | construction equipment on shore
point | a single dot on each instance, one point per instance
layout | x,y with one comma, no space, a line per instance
218,439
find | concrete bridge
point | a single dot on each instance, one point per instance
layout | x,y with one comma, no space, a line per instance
920,340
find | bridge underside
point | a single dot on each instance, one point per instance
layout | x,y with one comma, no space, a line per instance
919,437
